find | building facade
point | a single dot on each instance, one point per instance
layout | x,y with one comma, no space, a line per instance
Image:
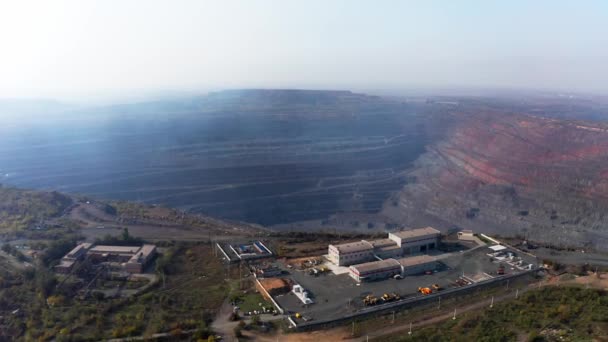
417,264
350,253
416,240
387,268
375,270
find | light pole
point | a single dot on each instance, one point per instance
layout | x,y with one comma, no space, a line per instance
410,332
454,317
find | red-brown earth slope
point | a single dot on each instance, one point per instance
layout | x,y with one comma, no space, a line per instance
510,174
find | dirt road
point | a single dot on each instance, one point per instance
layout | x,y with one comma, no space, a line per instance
96,224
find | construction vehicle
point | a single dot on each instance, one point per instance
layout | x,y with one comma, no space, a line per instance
462,282
425,290
396,296
370,300
436,287
387,297
298,315
501,270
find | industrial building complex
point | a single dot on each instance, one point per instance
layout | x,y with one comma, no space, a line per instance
132,259
399,254
359,278
406,242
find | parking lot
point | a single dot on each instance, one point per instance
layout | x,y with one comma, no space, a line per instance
338,295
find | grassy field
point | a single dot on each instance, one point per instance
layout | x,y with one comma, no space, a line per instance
549,314
252,301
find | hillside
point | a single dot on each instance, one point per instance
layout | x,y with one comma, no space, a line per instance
508,173
23,209
323,160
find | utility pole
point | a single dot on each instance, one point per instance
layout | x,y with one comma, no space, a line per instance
454,317
353,330
439,307
393,322
492,302
516,293
508,283
410,332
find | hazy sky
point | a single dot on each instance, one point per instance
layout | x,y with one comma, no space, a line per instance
98,48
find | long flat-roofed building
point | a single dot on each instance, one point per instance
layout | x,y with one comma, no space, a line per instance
141,258
417,264
375,270
69,260
416,240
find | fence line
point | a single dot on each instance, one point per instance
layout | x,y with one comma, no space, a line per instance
269,296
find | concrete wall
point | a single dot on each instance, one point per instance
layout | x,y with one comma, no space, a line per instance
370,276
417,269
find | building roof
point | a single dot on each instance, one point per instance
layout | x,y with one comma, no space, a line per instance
406,234
375,266
416,260
389,248
352,247
65,263
380,243
116,249
497,248
77,249
143,253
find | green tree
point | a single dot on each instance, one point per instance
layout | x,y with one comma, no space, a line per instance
125,234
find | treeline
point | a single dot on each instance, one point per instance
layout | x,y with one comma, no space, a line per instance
124,239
